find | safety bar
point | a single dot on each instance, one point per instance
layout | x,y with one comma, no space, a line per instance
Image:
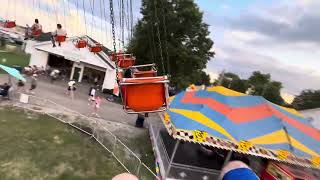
129,111
144,65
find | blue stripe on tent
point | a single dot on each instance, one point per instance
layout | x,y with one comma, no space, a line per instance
283,146
182,122
300,153
244,130
292,116
234,101
303,138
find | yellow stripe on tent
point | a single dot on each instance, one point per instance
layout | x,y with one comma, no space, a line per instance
279,137
204,120
224,91
276,137
292,111
295,143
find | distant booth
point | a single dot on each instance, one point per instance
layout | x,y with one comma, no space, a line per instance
74,63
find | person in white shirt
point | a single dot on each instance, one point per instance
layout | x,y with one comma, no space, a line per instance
58,32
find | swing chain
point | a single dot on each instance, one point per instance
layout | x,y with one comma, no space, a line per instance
114,38
157,24
112,24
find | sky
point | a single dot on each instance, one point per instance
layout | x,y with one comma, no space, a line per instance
279,37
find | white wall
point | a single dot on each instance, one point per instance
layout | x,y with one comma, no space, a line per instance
39,58
109,79
313,115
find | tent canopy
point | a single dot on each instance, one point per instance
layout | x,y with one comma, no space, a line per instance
13,72
231,120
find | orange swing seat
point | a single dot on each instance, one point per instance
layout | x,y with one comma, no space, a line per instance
125,60
97,47
9,24
81,43
144,95
152,72
60,39
36,33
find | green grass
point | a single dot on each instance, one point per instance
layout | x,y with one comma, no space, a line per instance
35,146
141,145
14,58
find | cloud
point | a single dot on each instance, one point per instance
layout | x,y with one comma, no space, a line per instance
293,22
243,63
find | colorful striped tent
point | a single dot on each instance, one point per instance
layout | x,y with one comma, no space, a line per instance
227,119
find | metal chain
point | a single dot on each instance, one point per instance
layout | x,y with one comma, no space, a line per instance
112,25
165,36
64,14
85,18
159,36
114,37
131,19
122,23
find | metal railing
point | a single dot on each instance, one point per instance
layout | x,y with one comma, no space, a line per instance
94,128
177,170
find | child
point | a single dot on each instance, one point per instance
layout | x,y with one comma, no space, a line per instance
92,94
96,106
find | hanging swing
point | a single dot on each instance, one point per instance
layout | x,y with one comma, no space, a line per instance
80,43
147,70
9,24
60,39
36,33
144,95
95,48
123,60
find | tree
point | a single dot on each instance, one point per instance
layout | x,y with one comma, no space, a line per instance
261,84
233,81
264,86
172,35
308,99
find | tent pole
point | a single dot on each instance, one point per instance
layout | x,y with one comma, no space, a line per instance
226,161
227,158
172,157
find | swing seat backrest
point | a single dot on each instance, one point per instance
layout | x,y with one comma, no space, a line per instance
142,95
60,38
126,61
10,24
81,43
96,48
139,74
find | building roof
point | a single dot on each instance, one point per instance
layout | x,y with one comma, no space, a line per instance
70,52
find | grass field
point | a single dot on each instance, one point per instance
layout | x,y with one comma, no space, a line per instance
14,59
35,146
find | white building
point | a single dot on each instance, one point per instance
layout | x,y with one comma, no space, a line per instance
79,64
313,115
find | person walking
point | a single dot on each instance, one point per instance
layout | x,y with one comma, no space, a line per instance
92,95
33,83
96,106
20,86
71,88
